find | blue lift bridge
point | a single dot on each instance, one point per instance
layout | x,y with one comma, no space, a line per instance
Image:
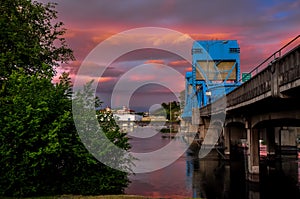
215,72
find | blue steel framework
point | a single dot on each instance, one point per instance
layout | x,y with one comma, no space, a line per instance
215,72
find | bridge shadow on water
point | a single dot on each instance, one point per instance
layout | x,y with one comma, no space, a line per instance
280,178
215,178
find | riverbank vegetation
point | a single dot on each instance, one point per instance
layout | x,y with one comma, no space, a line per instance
40,150
170,111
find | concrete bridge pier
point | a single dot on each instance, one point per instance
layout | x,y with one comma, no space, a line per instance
226,134
204,125
252,153
189,129
271,147
235,136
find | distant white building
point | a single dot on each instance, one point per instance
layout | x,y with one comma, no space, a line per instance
126,117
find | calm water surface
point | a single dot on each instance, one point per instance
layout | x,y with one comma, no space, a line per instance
190,177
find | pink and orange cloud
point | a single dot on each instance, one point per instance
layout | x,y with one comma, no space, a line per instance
261,28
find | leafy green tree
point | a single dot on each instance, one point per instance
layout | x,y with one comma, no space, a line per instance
35,126
40,150
107,143
182,99
30,38
172,109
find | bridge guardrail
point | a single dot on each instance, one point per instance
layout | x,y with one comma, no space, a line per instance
279,53
261,74
249,90
289,69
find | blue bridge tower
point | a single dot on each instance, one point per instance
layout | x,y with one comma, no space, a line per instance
215,72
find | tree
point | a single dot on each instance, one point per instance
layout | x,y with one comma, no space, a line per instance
172,109
37,123
182,99
40,150
110,180
30,39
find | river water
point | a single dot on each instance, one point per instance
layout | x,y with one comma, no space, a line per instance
211,178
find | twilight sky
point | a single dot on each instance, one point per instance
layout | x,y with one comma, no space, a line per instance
260,26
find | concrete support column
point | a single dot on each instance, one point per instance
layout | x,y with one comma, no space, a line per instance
279,141
226,133
271,142
205,125
253,154
193,128
202,131
190,130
